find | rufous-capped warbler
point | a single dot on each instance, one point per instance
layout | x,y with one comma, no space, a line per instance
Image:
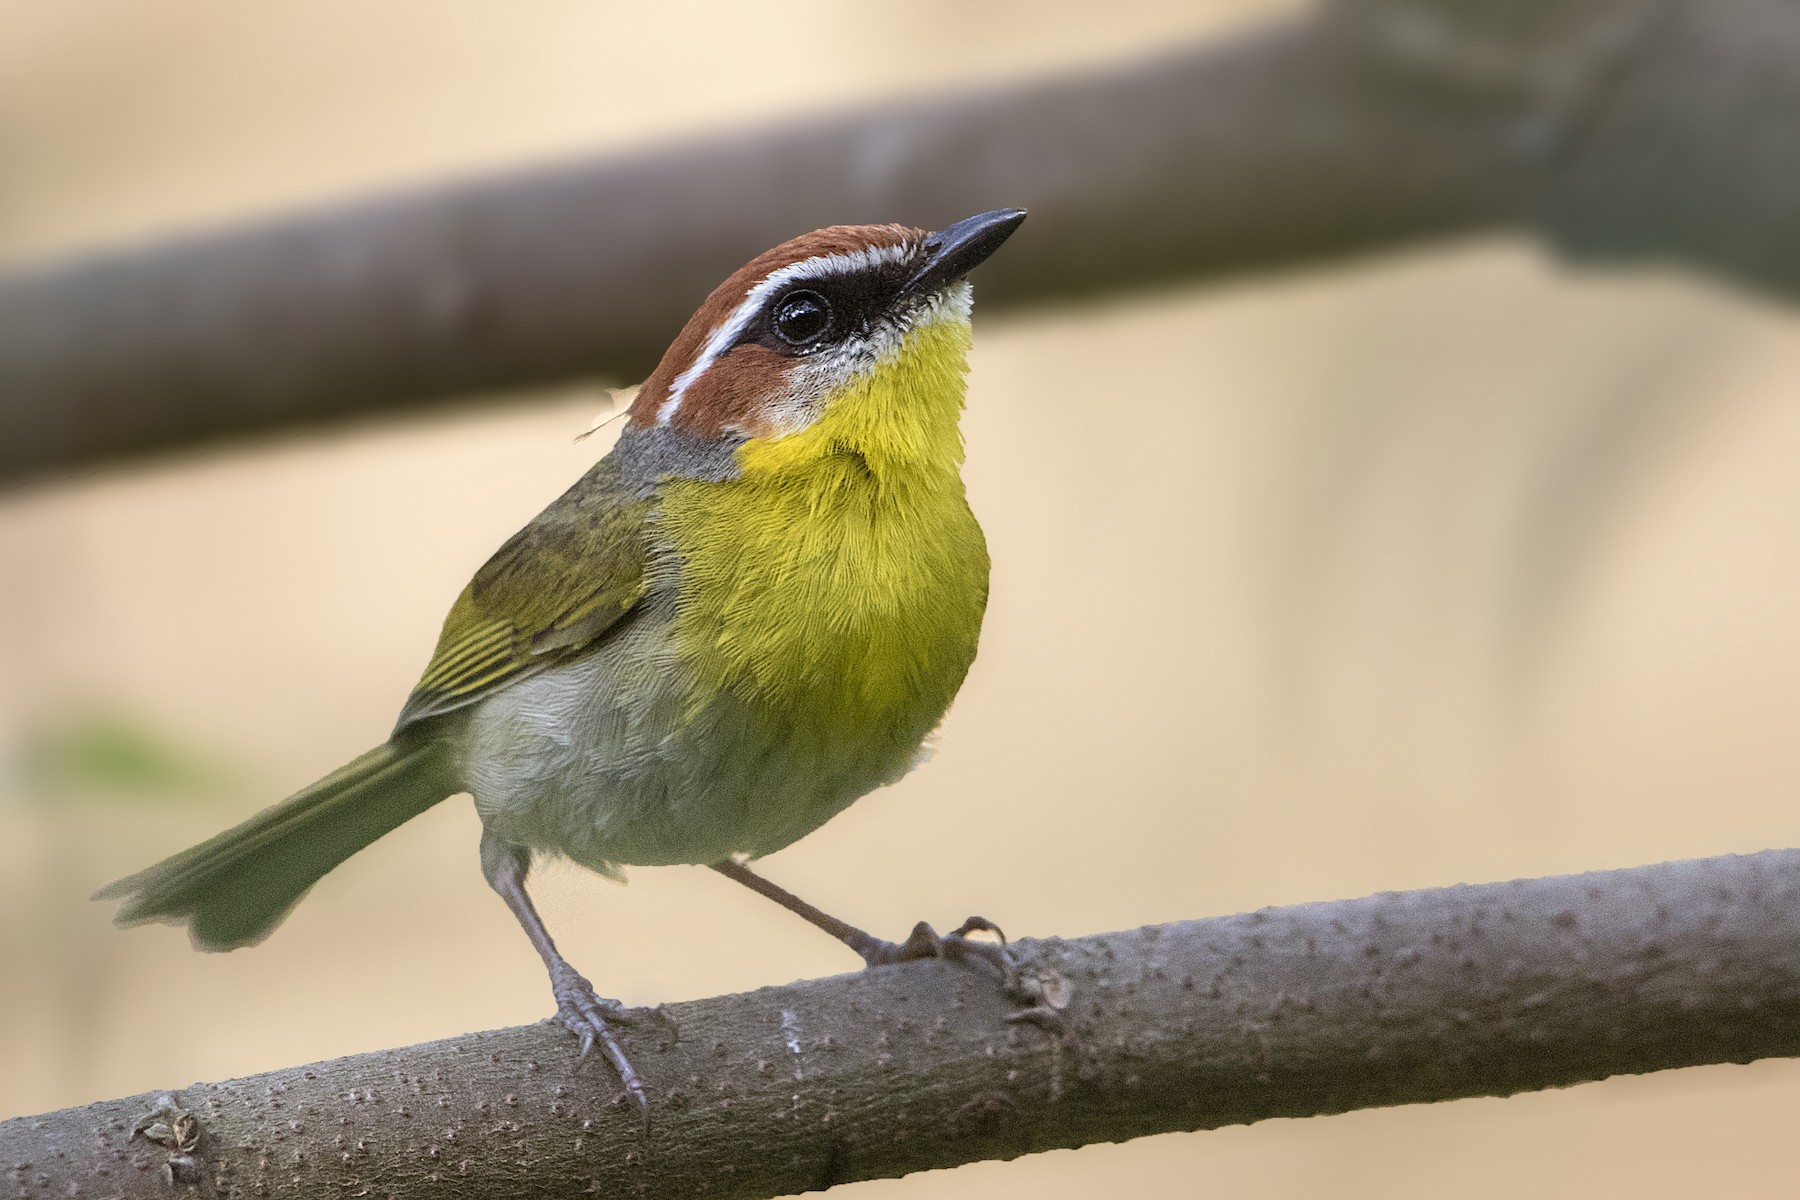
751,612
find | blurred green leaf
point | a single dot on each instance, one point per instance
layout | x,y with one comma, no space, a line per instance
110,755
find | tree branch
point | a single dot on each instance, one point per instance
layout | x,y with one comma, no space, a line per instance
1613,127
1320,1008
590,268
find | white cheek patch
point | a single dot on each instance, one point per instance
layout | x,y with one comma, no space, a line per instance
821,266
809,383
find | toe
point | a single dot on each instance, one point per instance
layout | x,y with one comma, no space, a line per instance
585,1015
979,925
964,949
922,942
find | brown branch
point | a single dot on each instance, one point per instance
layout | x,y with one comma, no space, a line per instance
1224,158
1320,1008
1614,128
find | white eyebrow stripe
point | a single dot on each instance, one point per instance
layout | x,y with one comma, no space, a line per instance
820,266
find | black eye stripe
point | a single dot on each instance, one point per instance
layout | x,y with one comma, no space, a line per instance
855,300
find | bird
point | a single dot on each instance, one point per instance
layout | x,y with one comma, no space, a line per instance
756,608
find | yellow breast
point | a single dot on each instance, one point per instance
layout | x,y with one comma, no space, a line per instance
838,584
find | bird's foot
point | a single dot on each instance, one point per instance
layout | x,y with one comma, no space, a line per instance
592,1017
1040,994
955,946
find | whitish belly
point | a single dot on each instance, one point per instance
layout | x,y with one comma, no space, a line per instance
609,761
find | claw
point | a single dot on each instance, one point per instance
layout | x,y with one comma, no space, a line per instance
955,946
978,925
1040,994
585,1014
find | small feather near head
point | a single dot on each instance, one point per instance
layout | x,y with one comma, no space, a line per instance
711,382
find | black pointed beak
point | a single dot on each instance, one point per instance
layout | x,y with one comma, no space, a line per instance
955,250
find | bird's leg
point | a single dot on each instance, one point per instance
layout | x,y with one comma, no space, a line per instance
1041,994
578,1007
922,942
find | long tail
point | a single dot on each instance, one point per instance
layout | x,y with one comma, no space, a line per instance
233,889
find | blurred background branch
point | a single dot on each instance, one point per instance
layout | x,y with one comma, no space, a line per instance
1398,998
1613,128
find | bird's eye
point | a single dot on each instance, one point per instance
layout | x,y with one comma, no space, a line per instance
802,318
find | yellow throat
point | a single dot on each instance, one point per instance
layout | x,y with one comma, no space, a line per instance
840,581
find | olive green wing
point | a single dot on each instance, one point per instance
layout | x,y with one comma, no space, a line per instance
549,594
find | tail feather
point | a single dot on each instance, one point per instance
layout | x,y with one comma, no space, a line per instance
233,889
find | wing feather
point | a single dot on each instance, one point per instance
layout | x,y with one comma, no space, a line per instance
551,593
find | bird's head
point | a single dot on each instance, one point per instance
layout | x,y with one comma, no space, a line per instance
847,339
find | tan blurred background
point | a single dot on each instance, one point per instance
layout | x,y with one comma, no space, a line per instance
1453,567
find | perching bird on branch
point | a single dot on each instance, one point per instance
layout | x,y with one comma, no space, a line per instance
751,612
